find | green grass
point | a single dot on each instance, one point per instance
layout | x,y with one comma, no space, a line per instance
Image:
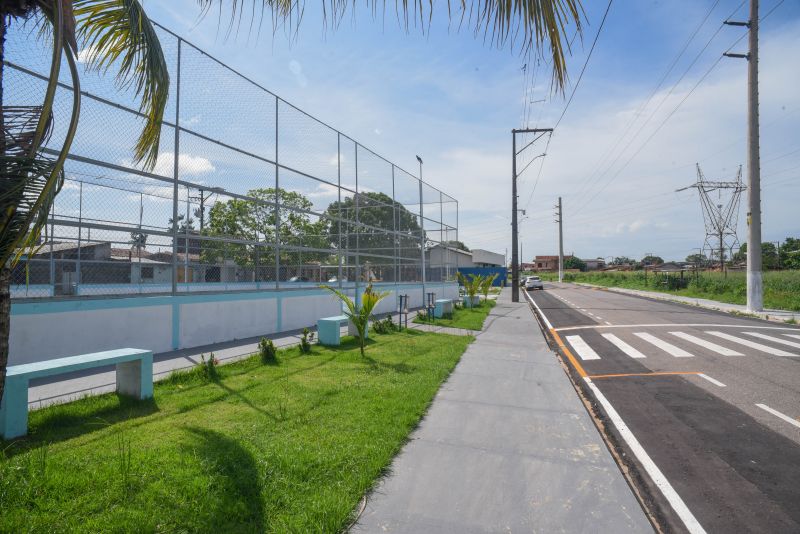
781,288
290,447
467,318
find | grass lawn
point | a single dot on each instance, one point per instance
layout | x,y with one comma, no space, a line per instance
468,318
781,288
290,447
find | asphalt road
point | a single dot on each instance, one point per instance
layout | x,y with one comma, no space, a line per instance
705,405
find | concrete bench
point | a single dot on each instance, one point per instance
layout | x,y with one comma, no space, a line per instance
329,329
134,377
443,307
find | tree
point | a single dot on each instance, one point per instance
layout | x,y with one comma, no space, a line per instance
380,215
790,253
769,256
652,260
120,37
360,313
254,220
622,260
138,241
699,259
574,263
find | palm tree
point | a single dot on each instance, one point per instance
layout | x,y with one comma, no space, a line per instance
118,35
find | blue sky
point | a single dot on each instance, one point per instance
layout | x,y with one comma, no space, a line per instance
453,99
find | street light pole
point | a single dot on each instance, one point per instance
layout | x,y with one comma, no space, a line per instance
514,223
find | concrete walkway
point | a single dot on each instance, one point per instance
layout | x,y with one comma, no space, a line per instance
769,315
507,446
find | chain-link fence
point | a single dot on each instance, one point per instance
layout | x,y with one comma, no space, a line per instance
260,196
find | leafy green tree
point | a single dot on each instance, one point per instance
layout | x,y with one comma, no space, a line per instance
769,256
254,219
790,253
623,260
652,260
574,263
699,259
377,211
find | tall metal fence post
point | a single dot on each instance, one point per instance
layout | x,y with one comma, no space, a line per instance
422,236
339,200
358,233
395,230
175,170
80,237
277,209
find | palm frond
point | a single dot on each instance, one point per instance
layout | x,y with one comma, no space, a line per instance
25,179
532,24
118,34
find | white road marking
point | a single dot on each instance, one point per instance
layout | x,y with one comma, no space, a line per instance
584,351
541,313
719,349
669,348
673,325
751,344
774,339
608,323
661,482
779,414
713,381
793,335
624,347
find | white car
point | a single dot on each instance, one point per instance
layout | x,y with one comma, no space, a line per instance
533,282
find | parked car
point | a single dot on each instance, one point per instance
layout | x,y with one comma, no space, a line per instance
299,279
533,282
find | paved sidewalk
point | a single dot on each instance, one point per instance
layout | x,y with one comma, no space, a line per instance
507,446
770,315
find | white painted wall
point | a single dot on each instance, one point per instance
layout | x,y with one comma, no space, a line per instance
44,330
203,323
46,336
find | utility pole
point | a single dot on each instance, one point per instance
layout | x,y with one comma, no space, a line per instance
514,175
559,218
755,296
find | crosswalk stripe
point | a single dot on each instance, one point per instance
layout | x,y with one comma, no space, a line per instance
719,349
584,351
669,348
793,335
751,344
774,339
624,347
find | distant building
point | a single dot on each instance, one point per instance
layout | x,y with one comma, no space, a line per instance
441,256
547,263
595,264
485,258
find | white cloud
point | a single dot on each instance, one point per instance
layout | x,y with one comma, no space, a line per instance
188,164
85,55
297,70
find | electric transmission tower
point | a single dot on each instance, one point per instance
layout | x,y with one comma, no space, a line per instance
720,217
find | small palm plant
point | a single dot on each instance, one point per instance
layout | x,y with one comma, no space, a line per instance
360,315
486,285
472,285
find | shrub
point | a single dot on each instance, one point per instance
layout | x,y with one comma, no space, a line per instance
360,315
306,340
267,351
208,368
385,326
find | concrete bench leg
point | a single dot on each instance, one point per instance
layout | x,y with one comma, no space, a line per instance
135,378
14,408
328,332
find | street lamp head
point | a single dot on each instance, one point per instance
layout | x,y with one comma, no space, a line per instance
419,159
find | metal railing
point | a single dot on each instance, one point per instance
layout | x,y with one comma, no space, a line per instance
261,195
